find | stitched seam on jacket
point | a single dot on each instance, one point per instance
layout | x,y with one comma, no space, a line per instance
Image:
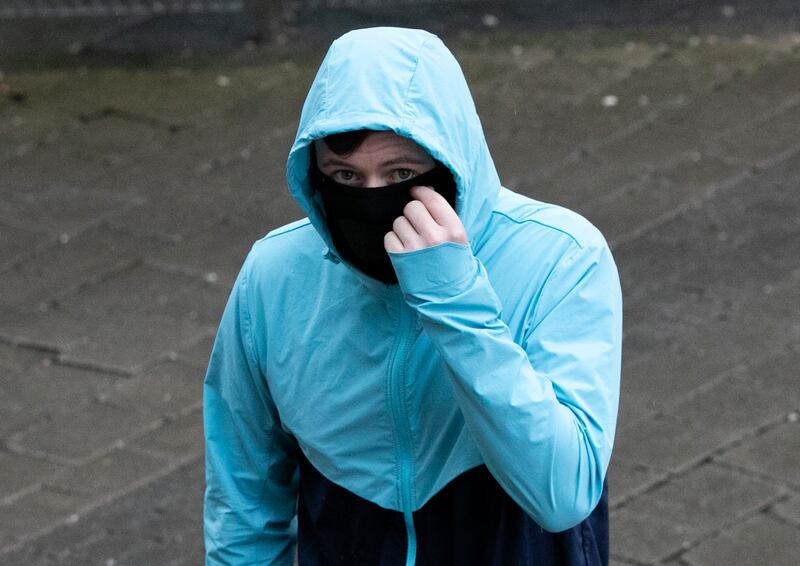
540,223
249,344
281,232
406,105
244,313
535,315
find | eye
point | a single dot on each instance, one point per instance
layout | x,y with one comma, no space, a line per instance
343,176
403,175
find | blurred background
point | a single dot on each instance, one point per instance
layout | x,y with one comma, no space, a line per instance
142,151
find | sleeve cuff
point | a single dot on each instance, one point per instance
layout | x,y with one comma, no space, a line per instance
448,265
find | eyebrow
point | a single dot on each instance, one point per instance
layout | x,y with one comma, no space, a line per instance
403,159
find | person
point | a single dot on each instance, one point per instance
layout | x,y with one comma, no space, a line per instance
425,370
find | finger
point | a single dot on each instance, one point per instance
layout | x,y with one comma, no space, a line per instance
409,237
438,207
442,213
391,243
423,222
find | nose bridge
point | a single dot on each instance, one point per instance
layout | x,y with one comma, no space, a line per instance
374,180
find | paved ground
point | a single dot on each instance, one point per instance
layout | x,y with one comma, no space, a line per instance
129,195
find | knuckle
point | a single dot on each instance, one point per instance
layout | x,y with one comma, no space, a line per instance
412,206
458,234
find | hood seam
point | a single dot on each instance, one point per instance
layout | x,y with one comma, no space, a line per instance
406,105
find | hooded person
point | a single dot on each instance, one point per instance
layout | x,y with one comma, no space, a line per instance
457,409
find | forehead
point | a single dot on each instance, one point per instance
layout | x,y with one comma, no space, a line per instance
382,144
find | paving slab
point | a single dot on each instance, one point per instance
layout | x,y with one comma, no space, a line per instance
788,510
704,422
23,127
773,454
61,210
629,206
107,474
642,540
759,540
620,136
20,471
627,478
671,517
165,513
17,243
669,360
35,512
164,389
122,322
180,439
85,431
730,224
217,252
760,141
69,263
48,166
34,388
197,354
128,343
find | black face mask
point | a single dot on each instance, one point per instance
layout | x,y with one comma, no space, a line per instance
358,218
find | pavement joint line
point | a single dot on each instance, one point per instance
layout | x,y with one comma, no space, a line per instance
91,280
763,165
177,357
626,560
780,518
164,455
707,148
654,484
19,494
95,366
579,153
114,112
710,193
30,343
232,158
100,502
167,267
12,446
159,236
720,377
27,254
662,478
54,242
709,458
36,347
759,167
726,525
657,112
755,474
171,357
665,165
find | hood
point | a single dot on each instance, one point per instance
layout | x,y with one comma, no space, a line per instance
408,82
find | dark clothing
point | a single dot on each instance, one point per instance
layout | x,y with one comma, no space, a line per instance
471,522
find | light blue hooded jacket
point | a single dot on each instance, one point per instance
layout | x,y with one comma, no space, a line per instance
504,352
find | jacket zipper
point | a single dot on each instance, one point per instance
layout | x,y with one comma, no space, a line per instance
400,417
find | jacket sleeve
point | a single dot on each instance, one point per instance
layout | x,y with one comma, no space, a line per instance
250,498
542,413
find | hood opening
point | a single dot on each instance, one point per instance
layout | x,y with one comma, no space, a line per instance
408,82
